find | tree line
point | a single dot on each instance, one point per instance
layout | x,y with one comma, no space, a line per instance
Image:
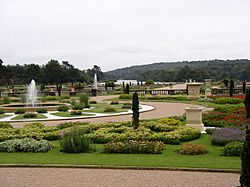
182,71
52,72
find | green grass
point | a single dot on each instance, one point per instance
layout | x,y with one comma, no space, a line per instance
169,158
20,117
68,114
3,115
99,108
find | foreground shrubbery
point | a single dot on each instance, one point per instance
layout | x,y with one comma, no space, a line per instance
226,135
233,149
25,145
5,125
167,130
134,147
75,141
193,149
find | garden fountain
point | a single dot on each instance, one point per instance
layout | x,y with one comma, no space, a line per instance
31,97
95,86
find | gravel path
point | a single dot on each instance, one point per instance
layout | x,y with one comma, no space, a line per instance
59,177
162,109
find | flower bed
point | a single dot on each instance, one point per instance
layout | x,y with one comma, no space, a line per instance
167,130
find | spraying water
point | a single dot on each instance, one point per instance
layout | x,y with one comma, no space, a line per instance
31,97
95,82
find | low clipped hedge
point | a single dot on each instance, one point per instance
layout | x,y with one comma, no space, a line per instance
29,115
76,112
25,145
134,147
109,109
63,108
42,110
20,111
233,149
228,100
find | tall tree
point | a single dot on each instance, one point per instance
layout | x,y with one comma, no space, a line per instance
52,72
135,109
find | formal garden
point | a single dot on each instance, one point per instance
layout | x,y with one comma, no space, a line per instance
165,142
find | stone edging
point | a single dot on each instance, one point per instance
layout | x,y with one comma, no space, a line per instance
118,167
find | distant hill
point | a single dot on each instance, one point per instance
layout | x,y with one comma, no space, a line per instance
180,71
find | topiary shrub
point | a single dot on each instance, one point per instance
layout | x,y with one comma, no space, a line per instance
30,115
42,110
5,125
20,111
76,112
233,149
135,109
109,109
75,141
231,88
63,108
193,149
25,145
134,147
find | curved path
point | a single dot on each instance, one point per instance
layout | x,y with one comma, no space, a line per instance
60,177
162,109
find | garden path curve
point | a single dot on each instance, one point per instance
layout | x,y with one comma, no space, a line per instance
162,109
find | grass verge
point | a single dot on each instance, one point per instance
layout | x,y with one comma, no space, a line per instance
20,117
169,158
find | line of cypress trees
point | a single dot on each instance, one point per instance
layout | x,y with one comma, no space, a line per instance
244,84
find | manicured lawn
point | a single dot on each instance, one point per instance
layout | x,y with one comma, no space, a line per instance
3,115
99,108
169,158
68,114
38,116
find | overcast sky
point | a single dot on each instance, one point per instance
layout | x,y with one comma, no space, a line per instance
121,33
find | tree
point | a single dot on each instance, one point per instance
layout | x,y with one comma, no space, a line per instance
53,72
135,109
231,88
244,87
247,103
126,91
149,82
226,81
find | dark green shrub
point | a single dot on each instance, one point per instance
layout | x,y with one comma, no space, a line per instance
25,145
77,107
109,109
134,147
5,125
42,110
50,98
231,88
84,100
34,125
20,111
71,124
1,111
233,149
75,141
63,108
93,102
76,112
29,115
193,149
135,109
